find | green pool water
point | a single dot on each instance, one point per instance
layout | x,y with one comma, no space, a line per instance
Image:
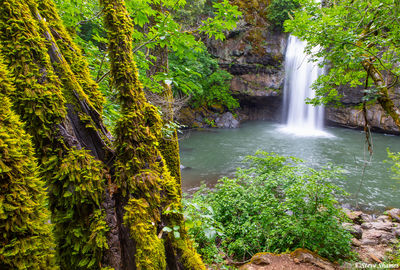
211,154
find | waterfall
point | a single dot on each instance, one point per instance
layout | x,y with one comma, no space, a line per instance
301,119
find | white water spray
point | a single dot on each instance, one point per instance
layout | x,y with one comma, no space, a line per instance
301,119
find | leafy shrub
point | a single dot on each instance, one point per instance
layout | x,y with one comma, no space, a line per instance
203,227
279,10
276,205
393,257
394,161
201,77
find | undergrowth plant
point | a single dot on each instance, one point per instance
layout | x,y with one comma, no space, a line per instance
275,205
394,161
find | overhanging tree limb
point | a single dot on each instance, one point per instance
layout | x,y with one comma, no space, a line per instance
384,99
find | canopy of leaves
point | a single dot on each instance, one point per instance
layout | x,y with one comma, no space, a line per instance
194,12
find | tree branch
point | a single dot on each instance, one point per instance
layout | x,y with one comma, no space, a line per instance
91,19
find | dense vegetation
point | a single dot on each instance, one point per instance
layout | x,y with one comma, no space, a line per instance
26,239
275,205
103,193
281,10
202,79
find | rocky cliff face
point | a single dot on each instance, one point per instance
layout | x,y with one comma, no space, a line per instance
350,115
254,56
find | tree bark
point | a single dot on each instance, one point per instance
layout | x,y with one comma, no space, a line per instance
384,99
368,64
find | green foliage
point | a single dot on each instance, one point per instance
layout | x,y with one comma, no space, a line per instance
395,162
76,12
184,49
203,226
192,14
394,258
211,122
354,32
169,129
225,18
279,11
202,79
273,206
26,241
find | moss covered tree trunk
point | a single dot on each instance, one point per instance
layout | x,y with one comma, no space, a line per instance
26,241
384,99
109,201
370,67
151,194
60,107
169,146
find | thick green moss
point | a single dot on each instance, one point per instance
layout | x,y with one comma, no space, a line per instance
37,99
169,148
72,54
43,87
188,255
26,241
141,219
70,66
75,190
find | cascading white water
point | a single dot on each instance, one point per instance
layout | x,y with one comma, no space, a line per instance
301,119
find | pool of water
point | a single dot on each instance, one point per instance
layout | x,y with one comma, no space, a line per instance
211,154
